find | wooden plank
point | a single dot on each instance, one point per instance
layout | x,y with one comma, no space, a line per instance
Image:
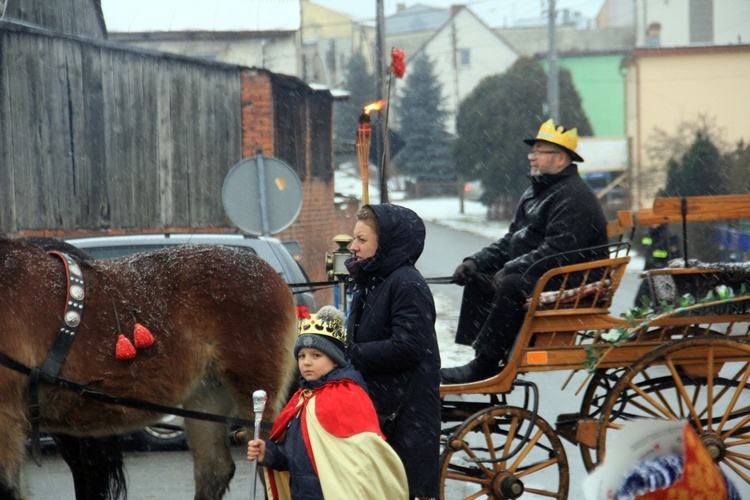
76,206
647,217
165,160
614,229
625,219
148,193
140,148
31,198
206,186
93,178
51,70
704,208
7,152
114,153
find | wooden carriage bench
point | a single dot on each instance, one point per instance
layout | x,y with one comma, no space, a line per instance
690,276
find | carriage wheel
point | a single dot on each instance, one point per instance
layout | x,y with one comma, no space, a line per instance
538,470
712,394
600,385
603,381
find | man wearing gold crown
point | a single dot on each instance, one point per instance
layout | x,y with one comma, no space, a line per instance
327,442
558,213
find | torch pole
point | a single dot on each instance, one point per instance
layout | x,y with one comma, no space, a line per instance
259,404
363,153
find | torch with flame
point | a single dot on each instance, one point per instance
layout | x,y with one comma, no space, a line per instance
363,147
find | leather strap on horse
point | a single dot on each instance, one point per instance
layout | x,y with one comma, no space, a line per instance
60,347
92,393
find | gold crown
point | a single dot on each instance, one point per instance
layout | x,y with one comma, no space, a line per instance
328,321
558,135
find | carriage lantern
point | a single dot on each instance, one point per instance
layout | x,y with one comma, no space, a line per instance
335,262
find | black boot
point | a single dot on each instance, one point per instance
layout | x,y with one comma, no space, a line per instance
478,368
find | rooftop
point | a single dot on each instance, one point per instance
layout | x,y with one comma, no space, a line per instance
138,16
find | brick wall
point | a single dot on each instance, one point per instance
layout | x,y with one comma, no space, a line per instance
319,221
320,218
257,113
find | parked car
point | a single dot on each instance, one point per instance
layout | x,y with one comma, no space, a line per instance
169,433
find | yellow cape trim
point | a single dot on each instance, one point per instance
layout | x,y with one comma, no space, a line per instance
362,466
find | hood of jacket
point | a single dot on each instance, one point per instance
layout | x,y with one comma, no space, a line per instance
400,242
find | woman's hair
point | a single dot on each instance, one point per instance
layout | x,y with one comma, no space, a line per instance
367,215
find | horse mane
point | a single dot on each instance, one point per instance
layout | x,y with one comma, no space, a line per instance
57,245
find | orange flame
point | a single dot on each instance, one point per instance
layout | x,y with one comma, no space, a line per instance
375,106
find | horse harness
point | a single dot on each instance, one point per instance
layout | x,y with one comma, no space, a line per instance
48,372
61,346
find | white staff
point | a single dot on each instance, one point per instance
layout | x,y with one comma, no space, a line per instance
259,404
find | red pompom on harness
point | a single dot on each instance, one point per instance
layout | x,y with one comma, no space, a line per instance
142,337
124,349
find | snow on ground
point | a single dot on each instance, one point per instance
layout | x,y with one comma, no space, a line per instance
443,211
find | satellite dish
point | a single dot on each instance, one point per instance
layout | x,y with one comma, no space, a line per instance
262,195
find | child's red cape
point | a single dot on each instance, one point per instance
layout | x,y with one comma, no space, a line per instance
346,447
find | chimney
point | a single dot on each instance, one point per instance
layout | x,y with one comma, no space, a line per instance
400,6
456,7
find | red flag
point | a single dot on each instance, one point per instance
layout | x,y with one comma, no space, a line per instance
398,66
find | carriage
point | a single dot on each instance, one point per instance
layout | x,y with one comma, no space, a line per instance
686,359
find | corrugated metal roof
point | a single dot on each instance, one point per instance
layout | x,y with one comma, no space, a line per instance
137,16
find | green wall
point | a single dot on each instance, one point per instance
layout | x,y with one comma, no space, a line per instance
602,90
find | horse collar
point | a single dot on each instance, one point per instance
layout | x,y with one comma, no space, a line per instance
60,347
71,317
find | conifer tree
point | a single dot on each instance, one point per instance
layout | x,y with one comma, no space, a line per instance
702,171
426,153
361,86
739,169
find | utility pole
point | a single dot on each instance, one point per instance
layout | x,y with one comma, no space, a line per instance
380,84
553,87
454,53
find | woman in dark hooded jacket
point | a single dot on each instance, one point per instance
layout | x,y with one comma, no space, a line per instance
392,338
326,443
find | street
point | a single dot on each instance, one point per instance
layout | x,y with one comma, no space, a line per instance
150,475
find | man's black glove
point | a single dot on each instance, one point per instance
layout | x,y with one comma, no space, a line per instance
497,278
463,272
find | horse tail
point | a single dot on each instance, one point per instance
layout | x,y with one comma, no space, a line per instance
96,464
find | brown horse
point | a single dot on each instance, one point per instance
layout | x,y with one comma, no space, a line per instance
223,321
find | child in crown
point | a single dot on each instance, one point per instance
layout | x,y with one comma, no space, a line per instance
326,442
